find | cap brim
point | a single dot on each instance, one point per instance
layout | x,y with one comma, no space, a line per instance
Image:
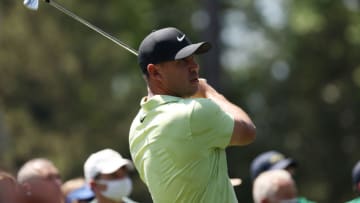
191,49
235,181
112,166
283,164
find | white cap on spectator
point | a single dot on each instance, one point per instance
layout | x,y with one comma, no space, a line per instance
105,161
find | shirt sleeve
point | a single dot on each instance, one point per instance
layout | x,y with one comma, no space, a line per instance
210,124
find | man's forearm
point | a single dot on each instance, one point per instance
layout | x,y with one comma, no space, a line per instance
244,129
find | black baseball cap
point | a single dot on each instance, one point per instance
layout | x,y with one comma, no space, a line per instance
270,160
167,44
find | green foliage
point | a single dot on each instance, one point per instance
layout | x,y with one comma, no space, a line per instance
311,115
65,91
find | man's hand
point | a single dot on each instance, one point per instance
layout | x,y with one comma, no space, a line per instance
244,130
204,89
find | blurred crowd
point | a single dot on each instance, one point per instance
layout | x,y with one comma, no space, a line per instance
105,179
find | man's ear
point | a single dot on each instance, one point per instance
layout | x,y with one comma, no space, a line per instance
26,188
153,71
93,185
358,186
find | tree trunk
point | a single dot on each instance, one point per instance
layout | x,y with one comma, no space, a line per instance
211,61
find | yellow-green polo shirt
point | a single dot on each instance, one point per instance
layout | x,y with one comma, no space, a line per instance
178,147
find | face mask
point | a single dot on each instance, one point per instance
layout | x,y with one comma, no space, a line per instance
289,201
117,189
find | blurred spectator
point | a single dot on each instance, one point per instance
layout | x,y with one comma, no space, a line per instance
40,182
271,160
83,194
8,188
276,186
72,184
356,181
77,191
107,173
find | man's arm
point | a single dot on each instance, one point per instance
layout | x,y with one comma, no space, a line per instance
244,130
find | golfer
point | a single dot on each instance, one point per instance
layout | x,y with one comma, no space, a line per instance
178,138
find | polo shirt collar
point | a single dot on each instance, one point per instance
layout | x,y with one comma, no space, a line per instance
157,100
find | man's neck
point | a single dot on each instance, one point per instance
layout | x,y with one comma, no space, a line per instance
155,88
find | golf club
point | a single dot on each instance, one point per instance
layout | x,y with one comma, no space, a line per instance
34,5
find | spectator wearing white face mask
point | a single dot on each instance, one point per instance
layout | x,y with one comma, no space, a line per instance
106,172
276,186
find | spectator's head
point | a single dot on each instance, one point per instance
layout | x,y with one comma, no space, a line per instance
40,181
76,191
274,186
356,176
106,172
8,188
72,184
271,160
80,195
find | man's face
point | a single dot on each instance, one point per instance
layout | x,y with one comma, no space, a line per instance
180,77
114,186
43,190
117,175
46,186
286,192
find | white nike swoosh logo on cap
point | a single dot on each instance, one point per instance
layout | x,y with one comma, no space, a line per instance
180,38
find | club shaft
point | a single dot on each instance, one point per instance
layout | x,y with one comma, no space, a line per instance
93,27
